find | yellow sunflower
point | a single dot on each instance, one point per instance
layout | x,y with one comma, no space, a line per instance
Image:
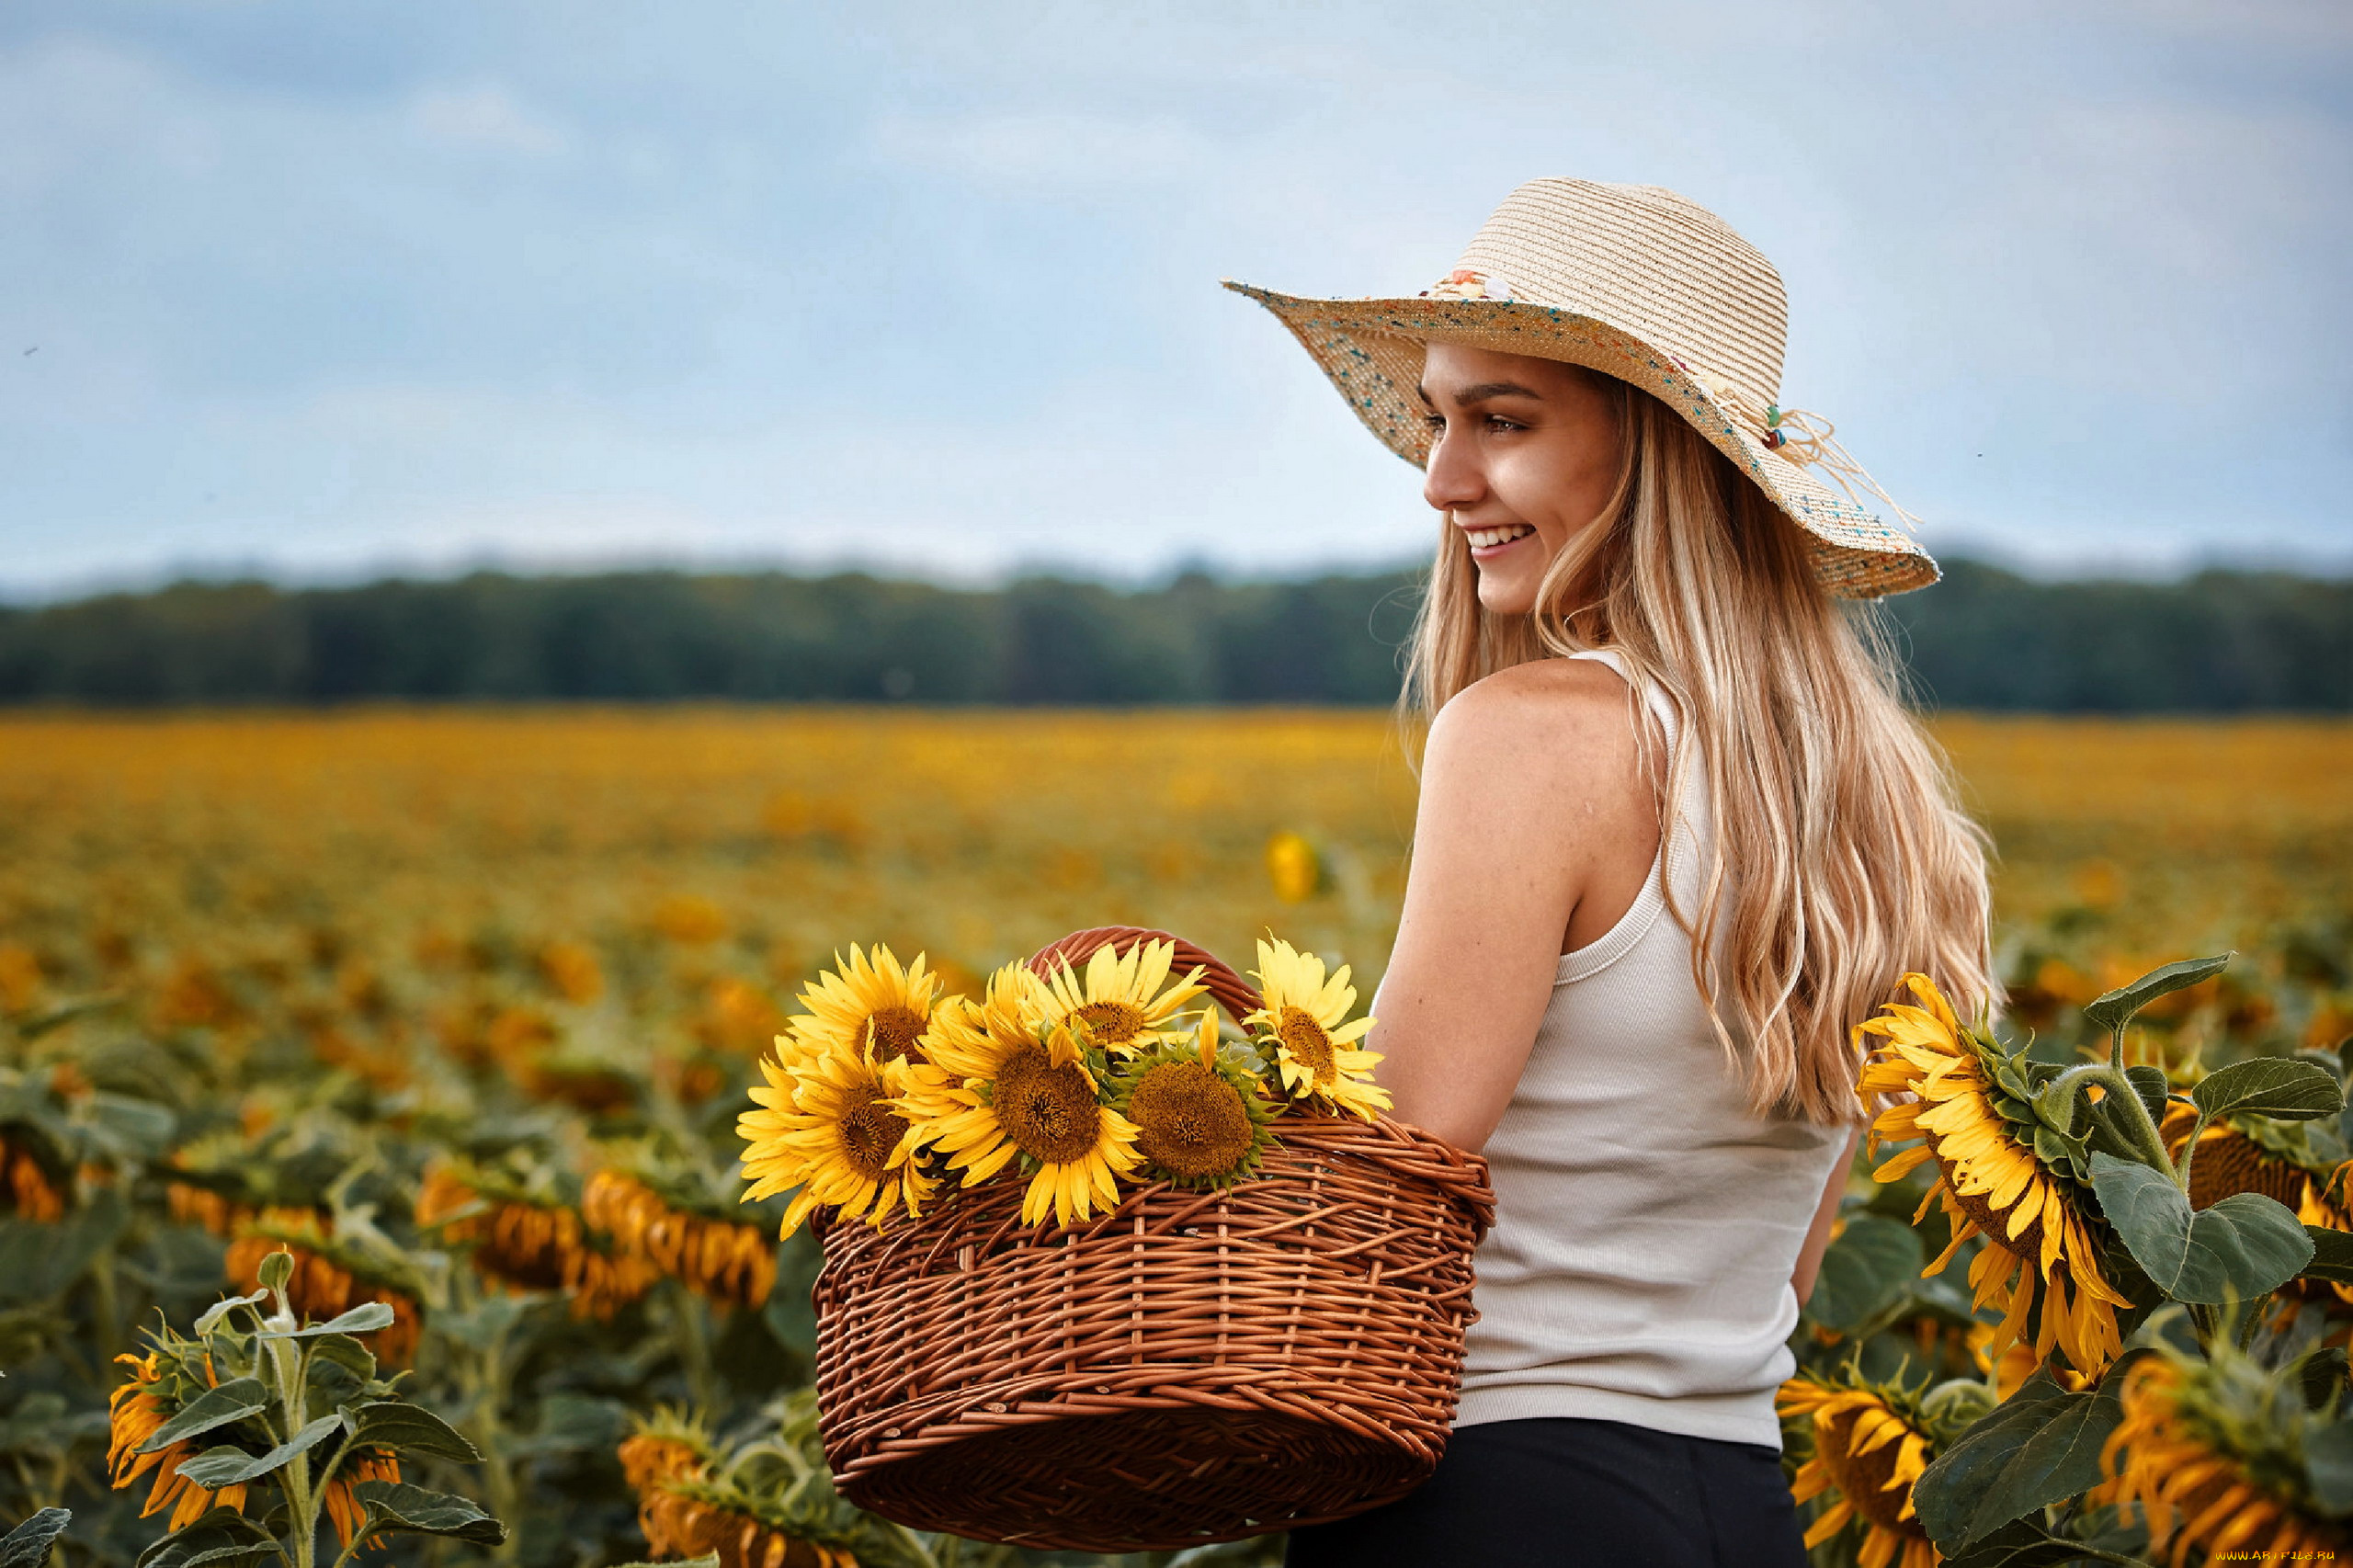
1022,1088
834,1127
2202,1453
1870,1445
138,1409
869,999
1202,1119
1314,1052
1990,1180
2324,1204
1123,1002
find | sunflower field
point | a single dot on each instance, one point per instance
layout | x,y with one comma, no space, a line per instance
370,1178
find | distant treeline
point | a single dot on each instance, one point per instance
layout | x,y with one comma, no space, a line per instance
2219,642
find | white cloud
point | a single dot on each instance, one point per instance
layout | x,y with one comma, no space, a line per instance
488,116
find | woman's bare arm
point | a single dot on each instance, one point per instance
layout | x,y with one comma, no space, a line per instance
1528,777
1817,1235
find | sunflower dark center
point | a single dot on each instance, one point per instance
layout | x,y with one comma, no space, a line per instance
1306,1040
871,1130
1050,1112
1112,1022
1189,1121
1863,1478
894,1030
2229,1162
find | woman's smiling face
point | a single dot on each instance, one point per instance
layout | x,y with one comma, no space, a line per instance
1525,456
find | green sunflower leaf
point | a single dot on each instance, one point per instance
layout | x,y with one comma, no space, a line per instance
2332,1254
2021,1543
407,1430
2242,1248
2041,1446
214,1407
216,1468
2150,1083
220,1309
397,1508
223,1538
1864,1272
2275,1086
27,1545
2115,1009
2320,1375
2329,1465
365,1318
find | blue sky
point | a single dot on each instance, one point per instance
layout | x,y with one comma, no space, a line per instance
331,289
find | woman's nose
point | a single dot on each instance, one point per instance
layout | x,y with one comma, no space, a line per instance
1452,480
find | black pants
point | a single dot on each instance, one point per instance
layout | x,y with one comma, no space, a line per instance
1562,1494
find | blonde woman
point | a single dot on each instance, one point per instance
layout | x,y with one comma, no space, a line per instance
1676,835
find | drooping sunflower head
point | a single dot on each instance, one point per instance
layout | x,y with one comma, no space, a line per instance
162,1382
1202,1119
866,1001
28,1184
1871,1443
2245,1154
1302,1029
667,1445
699,1518
1123,1002
1020,1086
2214,1455
330,1278
2001,1173
727,1263
345,1510
834,1127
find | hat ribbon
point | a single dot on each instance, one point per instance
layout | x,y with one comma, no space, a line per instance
1803,438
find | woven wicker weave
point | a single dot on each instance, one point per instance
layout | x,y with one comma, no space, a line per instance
1189,1367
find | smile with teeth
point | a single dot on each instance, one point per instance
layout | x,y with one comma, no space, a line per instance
1488,538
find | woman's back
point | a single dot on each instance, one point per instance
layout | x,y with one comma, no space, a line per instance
1593,398
1646,1225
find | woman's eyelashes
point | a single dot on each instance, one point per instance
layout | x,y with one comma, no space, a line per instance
1437,423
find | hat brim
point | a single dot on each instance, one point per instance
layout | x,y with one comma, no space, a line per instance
1372,350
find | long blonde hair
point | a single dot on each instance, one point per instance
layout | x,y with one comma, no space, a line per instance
1842,858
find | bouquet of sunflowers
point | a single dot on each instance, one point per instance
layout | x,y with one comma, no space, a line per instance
883,1091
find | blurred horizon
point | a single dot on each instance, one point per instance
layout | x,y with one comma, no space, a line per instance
332,293
1986,639
2312,566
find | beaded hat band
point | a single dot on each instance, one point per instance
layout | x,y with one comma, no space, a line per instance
1653,289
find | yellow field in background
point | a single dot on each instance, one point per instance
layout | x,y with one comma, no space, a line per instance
763,838
350,969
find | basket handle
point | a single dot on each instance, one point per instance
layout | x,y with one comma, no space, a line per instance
1236,994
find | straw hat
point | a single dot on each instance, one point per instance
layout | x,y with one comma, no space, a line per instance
1645,285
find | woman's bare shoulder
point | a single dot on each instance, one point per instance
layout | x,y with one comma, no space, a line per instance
1567,713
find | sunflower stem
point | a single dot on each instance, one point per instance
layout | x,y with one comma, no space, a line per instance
2130,1117
2190,1152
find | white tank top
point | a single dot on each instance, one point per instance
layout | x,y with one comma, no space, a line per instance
1646,1225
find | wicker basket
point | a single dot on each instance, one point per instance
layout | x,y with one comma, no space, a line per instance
1189,1367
